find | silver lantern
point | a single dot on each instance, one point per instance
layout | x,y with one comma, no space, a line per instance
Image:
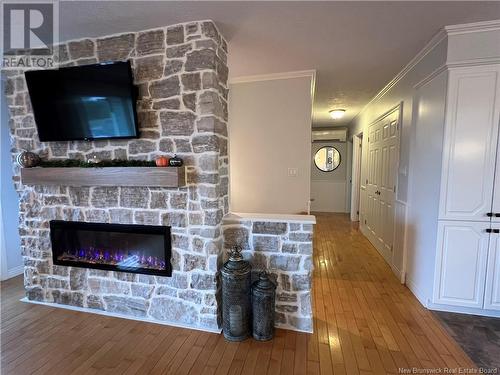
236,297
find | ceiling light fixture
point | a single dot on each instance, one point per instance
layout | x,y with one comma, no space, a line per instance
337,113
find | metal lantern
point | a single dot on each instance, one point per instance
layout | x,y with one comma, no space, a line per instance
236,297
263,304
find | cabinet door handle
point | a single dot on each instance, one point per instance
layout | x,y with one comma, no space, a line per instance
496,230
489,214
497,214
489,230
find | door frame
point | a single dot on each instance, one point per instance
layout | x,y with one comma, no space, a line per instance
357,152
398,107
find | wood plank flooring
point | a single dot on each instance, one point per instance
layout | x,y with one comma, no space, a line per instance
366,323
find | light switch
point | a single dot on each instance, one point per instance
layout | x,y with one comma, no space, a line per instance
292,172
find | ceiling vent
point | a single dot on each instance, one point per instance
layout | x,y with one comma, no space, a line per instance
322,135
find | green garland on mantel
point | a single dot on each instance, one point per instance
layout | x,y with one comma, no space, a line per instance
73,163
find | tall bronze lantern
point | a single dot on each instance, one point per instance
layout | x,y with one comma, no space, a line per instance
236,297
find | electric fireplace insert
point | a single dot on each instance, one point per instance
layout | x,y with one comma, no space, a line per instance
117,247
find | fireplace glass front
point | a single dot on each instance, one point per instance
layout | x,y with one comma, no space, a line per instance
118,247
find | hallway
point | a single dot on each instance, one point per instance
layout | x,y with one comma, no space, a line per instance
366,323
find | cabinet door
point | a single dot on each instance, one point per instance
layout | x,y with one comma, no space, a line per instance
470,143
492,293
461,263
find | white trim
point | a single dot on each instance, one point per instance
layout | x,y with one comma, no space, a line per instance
402,273
474,62
239,216
117,315
273,76
357,150
397,272
416,292
13,272
472,27
431,76
436,39
464,310
313,93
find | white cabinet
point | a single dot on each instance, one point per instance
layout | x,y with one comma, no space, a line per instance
461,263
467,272
492,293
471,133
495,209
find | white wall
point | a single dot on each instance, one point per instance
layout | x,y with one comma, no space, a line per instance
425,166
421,88
419,264
10,255
329,189
270,132
400,92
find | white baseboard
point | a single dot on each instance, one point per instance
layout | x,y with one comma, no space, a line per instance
400,275
464,310
13,272
417,292
117,315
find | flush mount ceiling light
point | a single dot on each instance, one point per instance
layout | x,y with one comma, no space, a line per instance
337,113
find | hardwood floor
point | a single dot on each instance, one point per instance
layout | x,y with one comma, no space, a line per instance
366,322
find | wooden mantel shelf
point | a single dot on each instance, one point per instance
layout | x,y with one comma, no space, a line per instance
109,176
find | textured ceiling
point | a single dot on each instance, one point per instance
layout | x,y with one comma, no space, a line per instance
356,47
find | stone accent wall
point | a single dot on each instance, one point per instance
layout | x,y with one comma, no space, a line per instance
284,249
182,77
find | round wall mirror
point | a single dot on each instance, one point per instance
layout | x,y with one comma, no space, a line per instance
327,159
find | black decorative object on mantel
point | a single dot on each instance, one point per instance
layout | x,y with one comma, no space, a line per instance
236,297
175,161
263,304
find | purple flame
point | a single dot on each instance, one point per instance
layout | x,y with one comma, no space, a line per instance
136,259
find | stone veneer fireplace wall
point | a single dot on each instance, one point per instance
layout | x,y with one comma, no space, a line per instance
182,74
283,246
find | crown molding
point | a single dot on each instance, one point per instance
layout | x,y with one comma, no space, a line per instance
436,39
442,34
431,76
273,76
474,27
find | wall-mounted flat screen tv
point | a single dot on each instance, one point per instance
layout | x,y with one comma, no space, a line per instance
84,102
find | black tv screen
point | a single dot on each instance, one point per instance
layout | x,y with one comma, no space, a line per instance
84,102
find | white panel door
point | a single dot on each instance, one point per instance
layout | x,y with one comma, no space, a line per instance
383,157
492,292
462,253
470,144
373,180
